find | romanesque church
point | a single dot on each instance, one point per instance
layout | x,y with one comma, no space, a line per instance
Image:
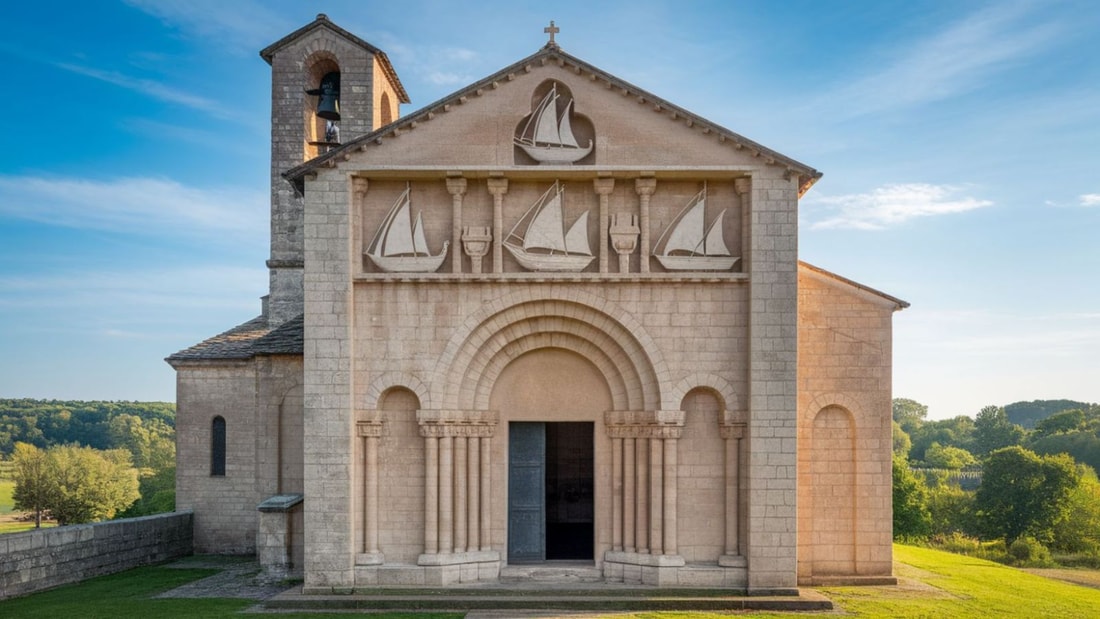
551,321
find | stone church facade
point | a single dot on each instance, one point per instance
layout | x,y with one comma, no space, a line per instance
550,320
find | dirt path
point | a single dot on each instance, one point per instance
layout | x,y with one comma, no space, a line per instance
1085,578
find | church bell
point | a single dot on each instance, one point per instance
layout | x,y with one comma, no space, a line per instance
328,96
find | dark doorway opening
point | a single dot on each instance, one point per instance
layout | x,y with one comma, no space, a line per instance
569,504
550,506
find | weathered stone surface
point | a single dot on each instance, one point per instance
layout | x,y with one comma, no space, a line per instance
46,558
739,415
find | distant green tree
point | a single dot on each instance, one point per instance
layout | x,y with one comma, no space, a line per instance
909,414
954,432
1079,531
1023,493
158,494
1029,414
1060,423
91,484
33,486
940,457
902,442
1082,445
152,443
75,484
951,508
911,517
993,430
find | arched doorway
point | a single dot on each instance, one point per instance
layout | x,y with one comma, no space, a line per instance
550,400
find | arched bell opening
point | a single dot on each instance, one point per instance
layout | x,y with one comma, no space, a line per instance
321,109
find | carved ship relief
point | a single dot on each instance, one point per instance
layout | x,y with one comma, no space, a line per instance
545,245
690,244
399,245
547,136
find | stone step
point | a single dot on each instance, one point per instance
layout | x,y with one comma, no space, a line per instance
558,574
555,598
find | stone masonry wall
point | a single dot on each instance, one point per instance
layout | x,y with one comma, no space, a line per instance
46,558
844,431
224,506
290,76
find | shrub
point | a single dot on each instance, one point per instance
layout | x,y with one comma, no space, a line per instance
1028,552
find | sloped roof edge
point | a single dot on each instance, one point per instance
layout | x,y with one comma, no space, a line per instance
322,21
245,341
898,303
807,175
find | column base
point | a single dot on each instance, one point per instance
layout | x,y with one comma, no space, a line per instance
370,558
432,570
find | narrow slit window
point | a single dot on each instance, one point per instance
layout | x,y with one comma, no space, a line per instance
217,447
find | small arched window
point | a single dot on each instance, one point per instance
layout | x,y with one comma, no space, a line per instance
387,112
217,447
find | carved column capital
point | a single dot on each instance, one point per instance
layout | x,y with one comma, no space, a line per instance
368,423
456,185
645,186
604,186
498,186
452,423
733,431
742,185
644,424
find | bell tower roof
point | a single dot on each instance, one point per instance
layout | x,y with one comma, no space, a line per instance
322,21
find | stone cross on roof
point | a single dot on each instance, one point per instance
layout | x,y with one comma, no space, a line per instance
551,30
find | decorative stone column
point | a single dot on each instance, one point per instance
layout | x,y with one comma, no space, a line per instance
458,495
603,186
732,430
743,187
369,429
645,187
498,186
358,195
456,186
643,498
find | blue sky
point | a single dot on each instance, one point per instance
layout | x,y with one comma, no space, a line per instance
960,143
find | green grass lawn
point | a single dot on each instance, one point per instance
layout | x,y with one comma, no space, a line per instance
7,507
932,584
7,504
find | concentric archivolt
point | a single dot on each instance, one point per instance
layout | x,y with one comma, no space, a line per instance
591,327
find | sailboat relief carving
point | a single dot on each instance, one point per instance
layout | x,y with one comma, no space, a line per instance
547,135
545,244
399,245
690,245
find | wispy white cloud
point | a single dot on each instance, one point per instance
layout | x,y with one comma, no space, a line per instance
136,205
887,206
1090,199
151,88
959,59
243,26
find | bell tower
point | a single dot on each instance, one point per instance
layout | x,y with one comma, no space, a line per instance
328,87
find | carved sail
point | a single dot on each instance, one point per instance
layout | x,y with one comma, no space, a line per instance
545,245
399,245
548,137
696,247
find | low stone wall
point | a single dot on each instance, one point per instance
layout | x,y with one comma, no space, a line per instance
45,558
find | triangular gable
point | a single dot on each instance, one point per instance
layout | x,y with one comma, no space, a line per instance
552,56
851,286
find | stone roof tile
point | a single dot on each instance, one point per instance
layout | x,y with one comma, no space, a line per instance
247,340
